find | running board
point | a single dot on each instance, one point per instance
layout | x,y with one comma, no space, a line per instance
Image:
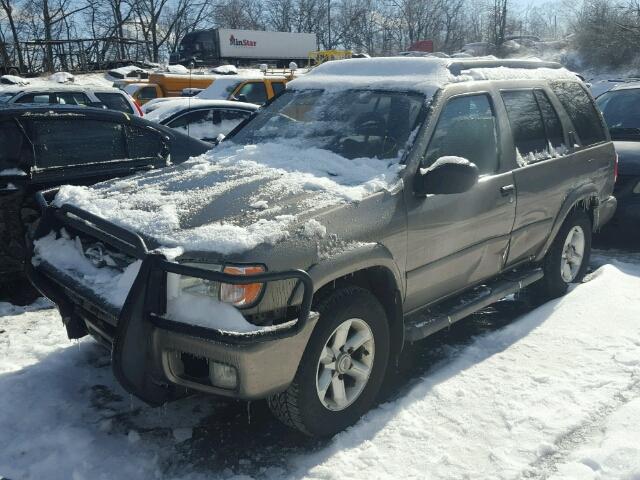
428,321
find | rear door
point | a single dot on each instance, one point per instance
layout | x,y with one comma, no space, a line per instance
456,241
549,159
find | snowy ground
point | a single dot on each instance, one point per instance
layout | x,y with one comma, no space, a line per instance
510,393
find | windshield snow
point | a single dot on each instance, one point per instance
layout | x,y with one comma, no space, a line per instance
221,89
352,124
620,109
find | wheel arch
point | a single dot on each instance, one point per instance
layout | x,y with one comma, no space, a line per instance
585,198
374,269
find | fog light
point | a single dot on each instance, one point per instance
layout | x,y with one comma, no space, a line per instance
223,376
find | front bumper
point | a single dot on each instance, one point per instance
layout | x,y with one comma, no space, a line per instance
155,358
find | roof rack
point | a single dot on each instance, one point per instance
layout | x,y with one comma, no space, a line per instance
457,66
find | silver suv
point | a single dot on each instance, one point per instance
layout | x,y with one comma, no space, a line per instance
373,203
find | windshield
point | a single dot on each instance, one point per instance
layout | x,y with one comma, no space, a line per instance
621,110
352,124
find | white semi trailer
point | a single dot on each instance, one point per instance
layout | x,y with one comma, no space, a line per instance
219,46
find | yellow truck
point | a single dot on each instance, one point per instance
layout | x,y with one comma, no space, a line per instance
160,85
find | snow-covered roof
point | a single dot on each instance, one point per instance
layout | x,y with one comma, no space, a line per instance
423,74
171,107
627,86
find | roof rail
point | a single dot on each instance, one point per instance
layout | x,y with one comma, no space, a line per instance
457,66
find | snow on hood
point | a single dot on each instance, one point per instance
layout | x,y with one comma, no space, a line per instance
205,204
62,77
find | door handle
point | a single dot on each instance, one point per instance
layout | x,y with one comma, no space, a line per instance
507,190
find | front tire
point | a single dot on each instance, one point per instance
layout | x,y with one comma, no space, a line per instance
567,260
342,368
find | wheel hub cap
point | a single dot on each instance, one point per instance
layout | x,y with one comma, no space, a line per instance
572,254
345,364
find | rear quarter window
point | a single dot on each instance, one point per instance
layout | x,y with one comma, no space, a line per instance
144,143
115,101
581,111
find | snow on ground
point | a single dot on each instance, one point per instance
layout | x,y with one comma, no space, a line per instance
554,394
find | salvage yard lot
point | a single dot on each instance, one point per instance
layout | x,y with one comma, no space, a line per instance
552,392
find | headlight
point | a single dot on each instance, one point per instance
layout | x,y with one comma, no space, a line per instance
236,295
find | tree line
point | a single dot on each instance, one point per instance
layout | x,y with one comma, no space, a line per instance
601,31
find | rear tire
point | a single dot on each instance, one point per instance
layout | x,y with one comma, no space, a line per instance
336,383
567,260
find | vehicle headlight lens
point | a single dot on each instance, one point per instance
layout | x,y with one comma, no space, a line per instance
236,295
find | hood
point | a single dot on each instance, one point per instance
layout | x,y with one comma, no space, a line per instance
235,197
628,157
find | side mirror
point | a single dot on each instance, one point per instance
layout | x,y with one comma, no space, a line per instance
242,98
448,175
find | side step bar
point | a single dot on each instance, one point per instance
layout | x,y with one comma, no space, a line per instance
426,322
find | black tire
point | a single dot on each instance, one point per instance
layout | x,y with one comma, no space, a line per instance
552,285
299,406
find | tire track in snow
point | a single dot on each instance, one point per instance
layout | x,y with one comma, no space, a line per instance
570,441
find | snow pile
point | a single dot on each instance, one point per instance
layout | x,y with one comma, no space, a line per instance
61,77
225,70
314,228
67,254
176,69
157,204
13,80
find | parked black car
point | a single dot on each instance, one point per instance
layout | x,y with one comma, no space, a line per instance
621,109
43,146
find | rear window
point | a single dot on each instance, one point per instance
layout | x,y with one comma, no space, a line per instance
34,98
77,141
115,101
72,98
580,108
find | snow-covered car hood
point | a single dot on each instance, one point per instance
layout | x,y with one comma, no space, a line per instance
235,197
628,157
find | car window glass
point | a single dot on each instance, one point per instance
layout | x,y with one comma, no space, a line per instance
72,98
34,98
277,87
115,101
190,118
466,128
620,109
526,126
144,143
227,120
12,144
76,141
552,124
147,93
254,92
581,110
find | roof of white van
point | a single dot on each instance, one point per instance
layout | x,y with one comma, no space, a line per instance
423,74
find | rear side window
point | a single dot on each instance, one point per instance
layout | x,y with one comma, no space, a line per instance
526,122
466,128
34,98
115,101
76,141
72,98
144,143
581,110
552,125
